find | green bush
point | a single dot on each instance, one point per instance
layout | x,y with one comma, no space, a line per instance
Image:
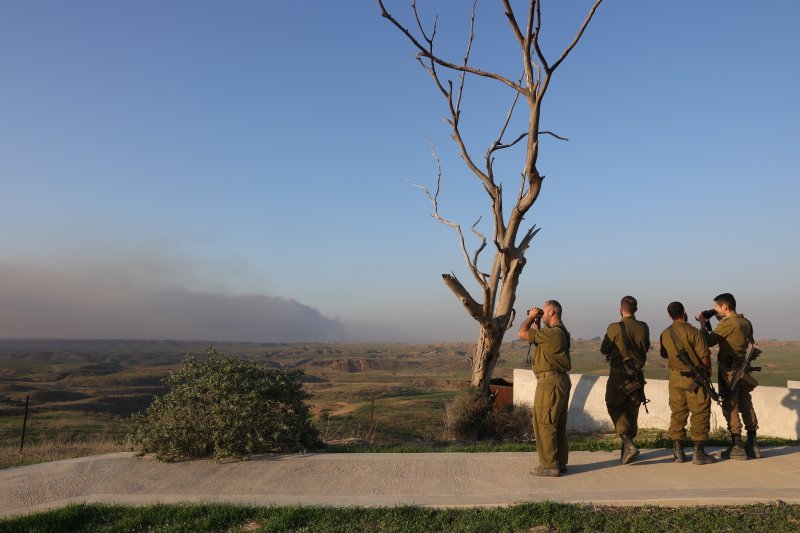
225,407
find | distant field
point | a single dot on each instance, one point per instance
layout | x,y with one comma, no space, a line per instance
383,393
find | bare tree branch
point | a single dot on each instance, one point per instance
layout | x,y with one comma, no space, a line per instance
481,247
473,308
577,37
466,58
559,137
453,66
434,199
535,37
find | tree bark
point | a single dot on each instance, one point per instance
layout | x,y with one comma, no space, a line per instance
487,352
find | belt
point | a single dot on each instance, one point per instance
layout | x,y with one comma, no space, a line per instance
674,369
620,371
547,373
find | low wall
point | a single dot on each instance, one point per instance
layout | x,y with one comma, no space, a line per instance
778,408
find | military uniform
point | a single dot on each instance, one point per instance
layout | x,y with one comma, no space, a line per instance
551,362
681,401
624,410
733,335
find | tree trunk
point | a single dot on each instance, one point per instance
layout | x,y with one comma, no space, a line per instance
492,331
487,352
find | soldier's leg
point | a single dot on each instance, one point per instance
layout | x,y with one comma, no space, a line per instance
617,403
746,407
633,417
699,403
730,409
678,406
750,420
562,408
545,428
730,405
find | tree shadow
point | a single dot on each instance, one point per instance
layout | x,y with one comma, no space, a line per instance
777,451
591,467
579,398
792,401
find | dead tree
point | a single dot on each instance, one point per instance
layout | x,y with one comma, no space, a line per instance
494,308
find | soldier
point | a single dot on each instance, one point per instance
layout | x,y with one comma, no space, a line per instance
683,336
551,362
625,347
733,334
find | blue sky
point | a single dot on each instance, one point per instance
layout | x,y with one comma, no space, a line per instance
239,170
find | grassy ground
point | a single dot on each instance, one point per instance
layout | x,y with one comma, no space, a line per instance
541,517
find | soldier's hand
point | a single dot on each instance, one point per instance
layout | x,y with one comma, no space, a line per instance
700,318
535,313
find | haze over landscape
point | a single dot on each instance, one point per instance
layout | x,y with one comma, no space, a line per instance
200,170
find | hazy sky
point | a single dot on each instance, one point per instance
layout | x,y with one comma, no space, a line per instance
238,170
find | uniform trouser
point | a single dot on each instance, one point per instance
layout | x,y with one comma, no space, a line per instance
550,405
623,410
740,406
682,402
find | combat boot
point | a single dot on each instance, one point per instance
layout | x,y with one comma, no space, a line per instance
726,453
751,446
677,451
629,449
700,457
736,449
546,472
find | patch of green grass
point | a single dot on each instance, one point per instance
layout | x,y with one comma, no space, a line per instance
534,517
648,438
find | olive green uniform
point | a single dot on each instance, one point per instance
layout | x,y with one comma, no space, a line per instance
681,401
551,362
623,409
733,335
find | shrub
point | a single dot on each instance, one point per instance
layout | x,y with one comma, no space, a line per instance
513,423
469,415
225,407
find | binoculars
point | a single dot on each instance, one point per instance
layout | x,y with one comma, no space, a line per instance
707,315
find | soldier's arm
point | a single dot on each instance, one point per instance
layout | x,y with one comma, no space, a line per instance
608,345
662,351
646,338
525,329
719,333
702,351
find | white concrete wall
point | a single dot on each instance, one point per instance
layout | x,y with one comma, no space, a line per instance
778,408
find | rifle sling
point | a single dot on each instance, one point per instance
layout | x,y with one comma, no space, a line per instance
679,345
626,341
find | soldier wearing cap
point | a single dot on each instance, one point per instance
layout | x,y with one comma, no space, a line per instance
551,362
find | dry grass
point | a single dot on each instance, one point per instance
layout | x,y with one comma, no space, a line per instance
40,452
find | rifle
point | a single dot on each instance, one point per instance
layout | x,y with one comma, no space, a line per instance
635,387
701,376
742,372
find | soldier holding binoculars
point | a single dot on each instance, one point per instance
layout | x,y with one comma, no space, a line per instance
551,362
